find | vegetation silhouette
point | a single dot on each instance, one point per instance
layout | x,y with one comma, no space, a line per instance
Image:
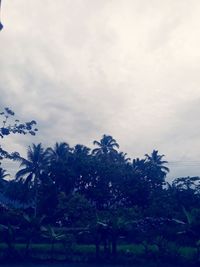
96,204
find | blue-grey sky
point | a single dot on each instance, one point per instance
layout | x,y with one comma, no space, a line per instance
82,68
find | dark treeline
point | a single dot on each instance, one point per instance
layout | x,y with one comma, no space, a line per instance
98,196
104,177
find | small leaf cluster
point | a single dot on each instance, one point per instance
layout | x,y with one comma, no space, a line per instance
5,154
15,126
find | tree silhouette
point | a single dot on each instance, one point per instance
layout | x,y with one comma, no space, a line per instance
156,169
59,161
33,167
9,126
156,160
106,146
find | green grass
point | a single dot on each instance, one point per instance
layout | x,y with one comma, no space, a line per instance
133,248
187,252
85,248
43,250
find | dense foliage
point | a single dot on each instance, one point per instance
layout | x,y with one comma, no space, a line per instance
96,196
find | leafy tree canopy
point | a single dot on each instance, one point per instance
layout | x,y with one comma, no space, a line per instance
10,125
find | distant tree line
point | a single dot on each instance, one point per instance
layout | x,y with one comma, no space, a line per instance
99,189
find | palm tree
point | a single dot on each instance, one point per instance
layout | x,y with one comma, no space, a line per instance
32,227
156,169
60,151
54,236
59,161
156,160
106,146
106,160
121,158
8,233
81,150
32,169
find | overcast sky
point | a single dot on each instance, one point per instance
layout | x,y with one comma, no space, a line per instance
128,68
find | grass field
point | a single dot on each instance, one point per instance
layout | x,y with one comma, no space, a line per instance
137,249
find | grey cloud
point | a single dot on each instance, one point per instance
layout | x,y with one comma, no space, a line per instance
85,68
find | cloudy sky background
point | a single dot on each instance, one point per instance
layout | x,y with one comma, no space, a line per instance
82,68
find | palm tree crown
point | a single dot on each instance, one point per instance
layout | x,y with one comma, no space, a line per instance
34,165
60,161
106,145
156,161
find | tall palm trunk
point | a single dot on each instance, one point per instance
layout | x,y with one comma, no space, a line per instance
36,180
28,243
52,248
